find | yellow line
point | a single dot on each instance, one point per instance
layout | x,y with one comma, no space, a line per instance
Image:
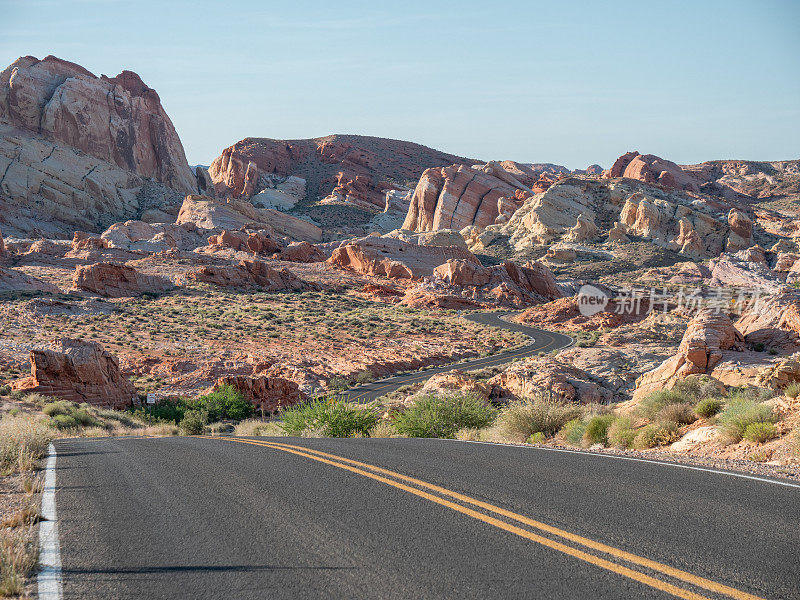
601,562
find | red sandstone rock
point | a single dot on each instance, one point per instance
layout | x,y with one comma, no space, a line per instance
395,258
654,170
266,392
302,252
85,241
116,119
12,280
117,281
79,371
257,242
248,273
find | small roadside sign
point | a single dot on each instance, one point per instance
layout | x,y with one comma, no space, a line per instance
151,398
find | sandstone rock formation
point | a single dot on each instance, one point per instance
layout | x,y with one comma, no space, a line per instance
138,236
346,168
394,258
708,336
217,214
654,170
248,273
117,281
257,242
116,119
302,252
458,196
505,280
80,152
79,371
12,280
268,393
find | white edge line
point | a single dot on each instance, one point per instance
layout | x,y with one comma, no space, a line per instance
49,579
634,459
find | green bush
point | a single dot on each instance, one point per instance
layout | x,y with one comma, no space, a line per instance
792,390
596,431
537,438
653,403
682,414
168,410
328,418
657,434
59,407
5,390
696,387
708,407
572,431
738,414
226,402
760,432
621,432
364,377
442,416
63,422
338,384
194,422
520,420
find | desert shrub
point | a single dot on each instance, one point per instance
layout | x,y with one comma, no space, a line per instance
328,418
383,429
63,422
596,431
226,402
22,443
537,438
572,432
792,390
166,410
738,414
708,407
696,387
338,384
653,403
520,420
5,390
657,434
621,432
194,422
750,393
59,407
257,427
365,376
441,416
682,414
760,432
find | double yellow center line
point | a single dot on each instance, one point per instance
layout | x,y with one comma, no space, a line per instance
603,554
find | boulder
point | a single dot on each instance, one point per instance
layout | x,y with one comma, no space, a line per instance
268,393
560,253
301,252
79,371
138,236
462,272
708,336
115,280
395,258
257,242
741,234
248,273
216,214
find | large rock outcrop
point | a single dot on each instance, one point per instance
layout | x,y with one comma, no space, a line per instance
394,258
80,152
79,371
216,214
248,273
116,119
268,393
508,282
12,280
344,168
708,336
458,196
654,170
117,281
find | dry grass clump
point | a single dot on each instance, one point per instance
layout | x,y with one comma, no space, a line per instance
18,557
23,442
520,420
257,427
742,413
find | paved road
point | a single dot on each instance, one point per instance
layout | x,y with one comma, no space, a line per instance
542,341
202,518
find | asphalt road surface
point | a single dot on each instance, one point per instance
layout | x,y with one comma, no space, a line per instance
542,341
234,518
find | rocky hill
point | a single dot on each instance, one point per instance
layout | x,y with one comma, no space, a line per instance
81,151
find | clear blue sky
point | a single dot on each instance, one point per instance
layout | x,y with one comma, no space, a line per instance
566,82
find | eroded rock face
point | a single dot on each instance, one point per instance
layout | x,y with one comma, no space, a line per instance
116,119
654,170
458,196
268,393
117,281
217,214
79,371
774,322
138,236
257,242
708,336
12,280
394,258
339,168
248,273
